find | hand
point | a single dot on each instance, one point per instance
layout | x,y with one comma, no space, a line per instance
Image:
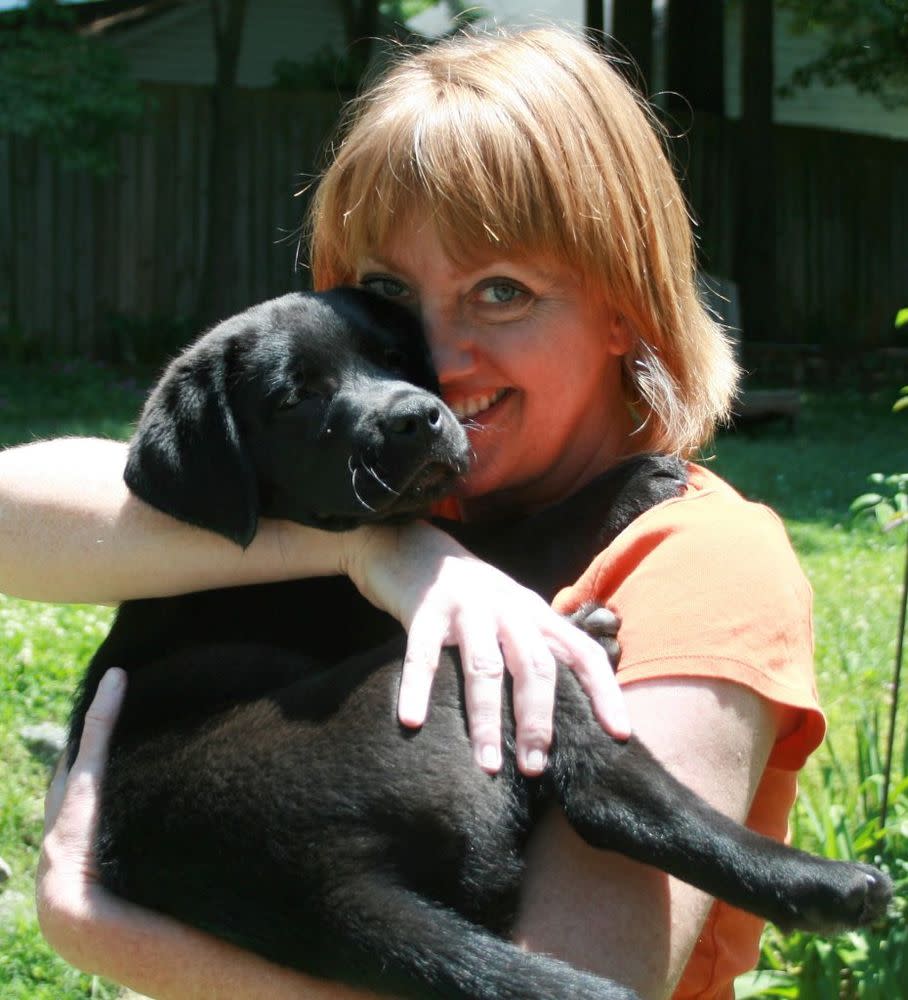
443,595
70,898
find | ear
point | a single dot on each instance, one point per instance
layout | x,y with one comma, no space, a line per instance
619,333
187,457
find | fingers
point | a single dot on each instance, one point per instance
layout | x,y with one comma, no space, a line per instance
483,674
54,797
82,786
533,668
99,723
424,642
597,678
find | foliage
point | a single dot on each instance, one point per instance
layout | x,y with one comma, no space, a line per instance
841,819
862,820
343,70
324,68
72,93
866,45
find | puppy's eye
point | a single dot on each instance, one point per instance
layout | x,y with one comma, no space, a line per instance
298,394
290,400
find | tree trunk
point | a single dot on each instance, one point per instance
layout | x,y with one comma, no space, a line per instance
632,28
594,21
219,267
695,70
755,263
360,19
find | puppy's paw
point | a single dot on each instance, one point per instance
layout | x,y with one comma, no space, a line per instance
600,624
846,896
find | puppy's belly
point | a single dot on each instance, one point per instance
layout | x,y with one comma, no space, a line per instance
276,796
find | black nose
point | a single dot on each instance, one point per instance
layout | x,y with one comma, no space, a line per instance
412,416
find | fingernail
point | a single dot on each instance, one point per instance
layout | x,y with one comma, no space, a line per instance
490,758
408,711
535,761
621,726
113,680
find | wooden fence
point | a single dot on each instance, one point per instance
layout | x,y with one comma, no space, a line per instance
841,222
98,267
106,268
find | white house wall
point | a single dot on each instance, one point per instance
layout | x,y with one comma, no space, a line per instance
840,107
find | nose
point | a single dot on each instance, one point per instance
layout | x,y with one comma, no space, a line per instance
416,417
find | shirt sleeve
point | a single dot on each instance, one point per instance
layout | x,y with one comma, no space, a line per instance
708,586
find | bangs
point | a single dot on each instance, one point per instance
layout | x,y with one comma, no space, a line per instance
501,176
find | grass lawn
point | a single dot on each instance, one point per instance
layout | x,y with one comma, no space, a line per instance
809,477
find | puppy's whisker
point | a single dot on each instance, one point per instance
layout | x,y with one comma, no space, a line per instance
356,492
379,479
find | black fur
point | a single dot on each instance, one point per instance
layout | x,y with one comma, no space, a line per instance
259,786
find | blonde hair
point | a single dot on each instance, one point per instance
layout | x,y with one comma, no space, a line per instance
530,142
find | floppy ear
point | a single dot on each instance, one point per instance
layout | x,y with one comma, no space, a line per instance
187,457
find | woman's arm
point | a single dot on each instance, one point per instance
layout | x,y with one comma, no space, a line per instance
102,934
70,530
604,912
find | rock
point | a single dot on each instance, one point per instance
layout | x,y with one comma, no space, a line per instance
45,740
5,871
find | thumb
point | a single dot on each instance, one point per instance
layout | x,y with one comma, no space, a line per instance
79,791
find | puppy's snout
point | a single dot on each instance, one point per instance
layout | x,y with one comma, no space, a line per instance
413,417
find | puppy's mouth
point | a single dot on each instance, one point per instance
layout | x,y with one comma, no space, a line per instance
386,497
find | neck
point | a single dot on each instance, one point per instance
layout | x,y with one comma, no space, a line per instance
617,444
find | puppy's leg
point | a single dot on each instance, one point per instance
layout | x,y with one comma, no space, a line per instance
413,940
619,797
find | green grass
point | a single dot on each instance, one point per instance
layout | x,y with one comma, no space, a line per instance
809,477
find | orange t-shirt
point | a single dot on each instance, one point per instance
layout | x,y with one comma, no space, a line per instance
707,586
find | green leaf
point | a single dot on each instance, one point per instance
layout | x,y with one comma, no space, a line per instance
876,477
884,512
865,502
901,317
900,404
765,982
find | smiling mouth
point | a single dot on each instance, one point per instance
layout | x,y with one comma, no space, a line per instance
473,405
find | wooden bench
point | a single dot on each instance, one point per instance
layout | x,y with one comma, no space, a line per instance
755,407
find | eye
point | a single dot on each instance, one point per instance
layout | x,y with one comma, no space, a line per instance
385,285
502,292
291,399
311,389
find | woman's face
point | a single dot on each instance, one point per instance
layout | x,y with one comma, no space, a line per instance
528,359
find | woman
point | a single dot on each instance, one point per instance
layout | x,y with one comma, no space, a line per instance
512,191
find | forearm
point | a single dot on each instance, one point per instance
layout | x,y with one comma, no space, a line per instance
587,906
70,530
165,960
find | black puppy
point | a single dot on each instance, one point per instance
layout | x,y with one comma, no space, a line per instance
259,786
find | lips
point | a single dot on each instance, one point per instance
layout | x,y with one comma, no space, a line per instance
471,406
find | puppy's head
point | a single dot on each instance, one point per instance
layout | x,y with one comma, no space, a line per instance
319,408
